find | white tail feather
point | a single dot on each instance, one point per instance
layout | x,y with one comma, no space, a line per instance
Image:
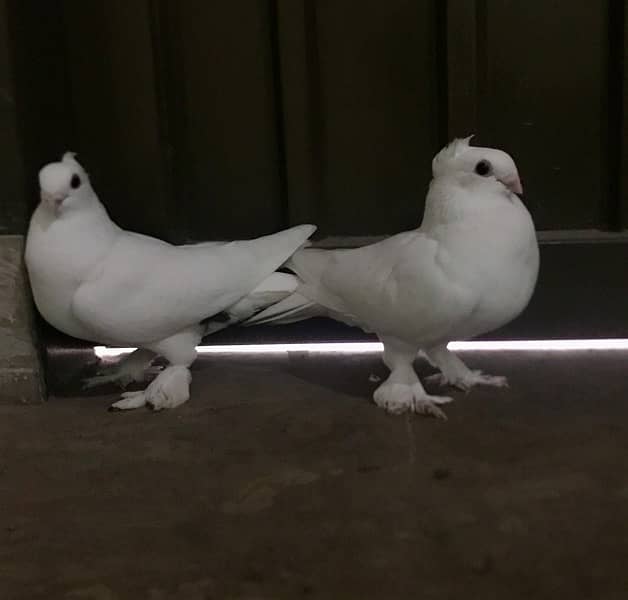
289,310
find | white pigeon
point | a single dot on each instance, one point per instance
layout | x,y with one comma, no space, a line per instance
470,268
95,281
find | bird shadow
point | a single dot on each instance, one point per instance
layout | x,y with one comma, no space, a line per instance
354,375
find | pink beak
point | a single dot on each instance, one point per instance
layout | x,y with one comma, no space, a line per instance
514,184
53,201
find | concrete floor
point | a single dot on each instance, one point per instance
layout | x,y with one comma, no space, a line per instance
279,479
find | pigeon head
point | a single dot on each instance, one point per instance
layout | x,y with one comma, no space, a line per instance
65,185
459,156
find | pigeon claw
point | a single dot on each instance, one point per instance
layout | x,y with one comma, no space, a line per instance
465,381
398,398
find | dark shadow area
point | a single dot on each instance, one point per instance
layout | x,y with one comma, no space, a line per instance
281,479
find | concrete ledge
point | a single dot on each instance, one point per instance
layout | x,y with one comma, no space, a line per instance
21,372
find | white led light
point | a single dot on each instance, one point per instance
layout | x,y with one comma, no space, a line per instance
321,347
540,345
369,347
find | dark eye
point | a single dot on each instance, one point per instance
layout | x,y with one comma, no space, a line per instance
75,181
483,168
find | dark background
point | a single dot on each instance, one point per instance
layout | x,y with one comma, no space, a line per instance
209,119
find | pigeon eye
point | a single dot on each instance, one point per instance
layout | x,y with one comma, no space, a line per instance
75,181
483,168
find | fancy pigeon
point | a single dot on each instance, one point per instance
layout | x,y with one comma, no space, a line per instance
470,267
95,281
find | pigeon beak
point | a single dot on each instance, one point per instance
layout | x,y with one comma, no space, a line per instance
52,200
513,184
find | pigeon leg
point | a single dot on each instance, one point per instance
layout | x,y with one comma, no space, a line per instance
454,372
171,387
402,391
133,367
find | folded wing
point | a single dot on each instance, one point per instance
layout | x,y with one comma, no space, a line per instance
146,290
399,287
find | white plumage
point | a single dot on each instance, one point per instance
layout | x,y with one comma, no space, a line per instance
470,268
93,280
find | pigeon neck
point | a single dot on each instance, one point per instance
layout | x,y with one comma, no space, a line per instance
455,199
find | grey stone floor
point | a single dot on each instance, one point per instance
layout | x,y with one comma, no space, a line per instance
280,479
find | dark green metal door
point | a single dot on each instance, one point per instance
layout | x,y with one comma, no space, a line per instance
212,119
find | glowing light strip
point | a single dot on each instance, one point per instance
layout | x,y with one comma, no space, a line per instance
369,347
541,345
